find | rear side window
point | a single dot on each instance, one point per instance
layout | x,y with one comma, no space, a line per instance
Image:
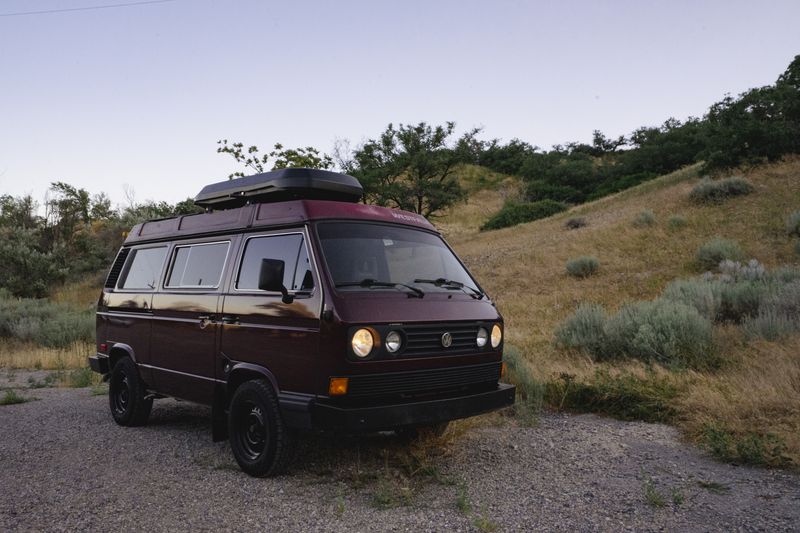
143,268
198,265
288,248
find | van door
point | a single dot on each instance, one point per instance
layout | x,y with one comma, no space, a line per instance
257,327
185,320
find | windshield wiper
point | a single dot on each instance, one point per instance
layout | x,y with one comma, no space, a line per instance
369,282
452,284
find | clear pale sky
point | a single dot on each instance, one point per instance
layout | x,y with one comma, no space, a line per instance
139,95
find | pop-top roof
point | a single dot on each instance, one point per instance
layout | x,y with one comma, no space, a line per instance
280,185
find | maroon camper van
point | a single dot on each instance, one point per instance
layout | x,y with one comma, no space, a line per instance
288,306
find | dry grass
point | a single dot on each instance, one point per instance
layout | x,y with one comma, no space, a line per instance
523,269
81,294
16,354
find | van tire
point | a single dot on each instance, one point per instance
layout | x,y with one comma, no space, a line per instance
127,395
260,441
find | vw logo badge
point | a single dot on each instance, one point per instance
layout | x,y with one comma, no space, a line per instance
447,339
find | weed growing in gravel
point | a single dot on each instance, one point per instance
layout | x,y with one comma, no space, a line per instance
11,397
583,267
678,498
100,389
462,499
652,497
47,381
338,505
80,378
713,486
483,523
392,492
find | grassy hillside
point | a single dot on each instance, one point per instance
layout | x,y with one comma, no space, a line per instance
756,393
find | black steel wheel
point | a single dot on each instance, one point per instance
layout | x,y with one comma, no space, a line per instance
127,395
261,443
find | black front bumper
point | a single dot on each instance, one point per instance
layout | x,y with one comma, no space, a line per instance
307,413
99,363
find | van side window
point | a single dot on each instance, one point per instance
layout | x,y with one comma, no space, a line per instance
198,265
143,268
288,248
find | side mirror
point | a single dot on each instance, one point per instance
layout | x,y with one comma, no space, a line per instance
270,278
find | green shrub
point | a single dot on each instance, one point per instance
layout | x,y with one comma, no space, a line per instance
668,332
736,271
11,397
514,213
624,396
710,191
793,224
704,295
575,223
676,222
645,218
778,315
582,267
713,252
44,322
745,448
530,391
665,331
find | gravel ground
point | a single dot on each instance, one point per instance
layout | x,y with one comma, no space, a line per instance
64,465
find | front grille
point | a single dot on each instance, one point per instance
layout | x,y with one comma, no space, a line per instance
422,381
427,340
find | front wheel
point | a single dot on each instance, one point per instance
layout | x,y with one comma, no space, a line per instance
127,395
261,443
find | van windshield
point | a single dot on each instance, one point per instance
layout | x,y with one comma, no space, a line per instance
363,256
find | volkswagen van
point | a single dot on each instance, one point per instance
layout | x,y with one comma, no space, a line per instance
288,306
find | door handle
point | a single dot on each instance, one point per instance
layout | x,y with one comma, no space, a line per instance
230,320
205,320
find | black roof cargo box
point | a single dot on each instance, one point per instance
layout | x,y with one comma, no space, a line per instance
280,185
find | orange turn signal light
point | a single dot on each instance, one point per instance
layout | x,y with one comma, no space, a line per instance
337,387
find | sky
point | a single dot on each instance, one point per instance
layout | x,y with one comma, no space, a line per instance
135,98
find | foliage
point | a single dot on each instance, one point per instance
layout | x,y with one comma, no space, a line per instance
664,331
625,396
27,270
710,191
712,253
752,448
676,222
11,397
644,218
44,322
411,167
255,162
582,267
778,314
514,213
576,223
530,391
793,224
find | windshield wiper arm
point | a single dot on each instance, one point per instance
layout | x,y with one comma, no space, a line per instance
369,282
449,283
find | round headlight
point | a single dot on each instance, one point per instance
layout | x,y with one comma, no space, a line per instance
497,335
362,342
483,336
393,341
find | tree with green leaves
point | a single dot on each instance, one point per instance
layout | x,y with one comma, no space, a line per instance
411,167
256,162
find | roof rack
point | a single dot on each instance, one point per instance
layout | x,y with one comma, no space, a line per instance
278,186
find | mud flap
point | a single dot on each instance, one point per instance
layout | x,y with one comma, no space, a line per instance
219,416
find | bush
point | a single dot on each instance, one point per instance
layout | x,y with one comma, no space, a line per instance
582,267
624,396
583,329
793,224
676,222
778,315
797,248
514,213
530,391
736,271
644,218
575,223
712,253
45,323
745,448
704,295
709,191
671,333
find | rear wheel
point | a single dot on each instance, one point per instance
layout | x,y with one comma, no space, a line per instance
127,395
261,443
